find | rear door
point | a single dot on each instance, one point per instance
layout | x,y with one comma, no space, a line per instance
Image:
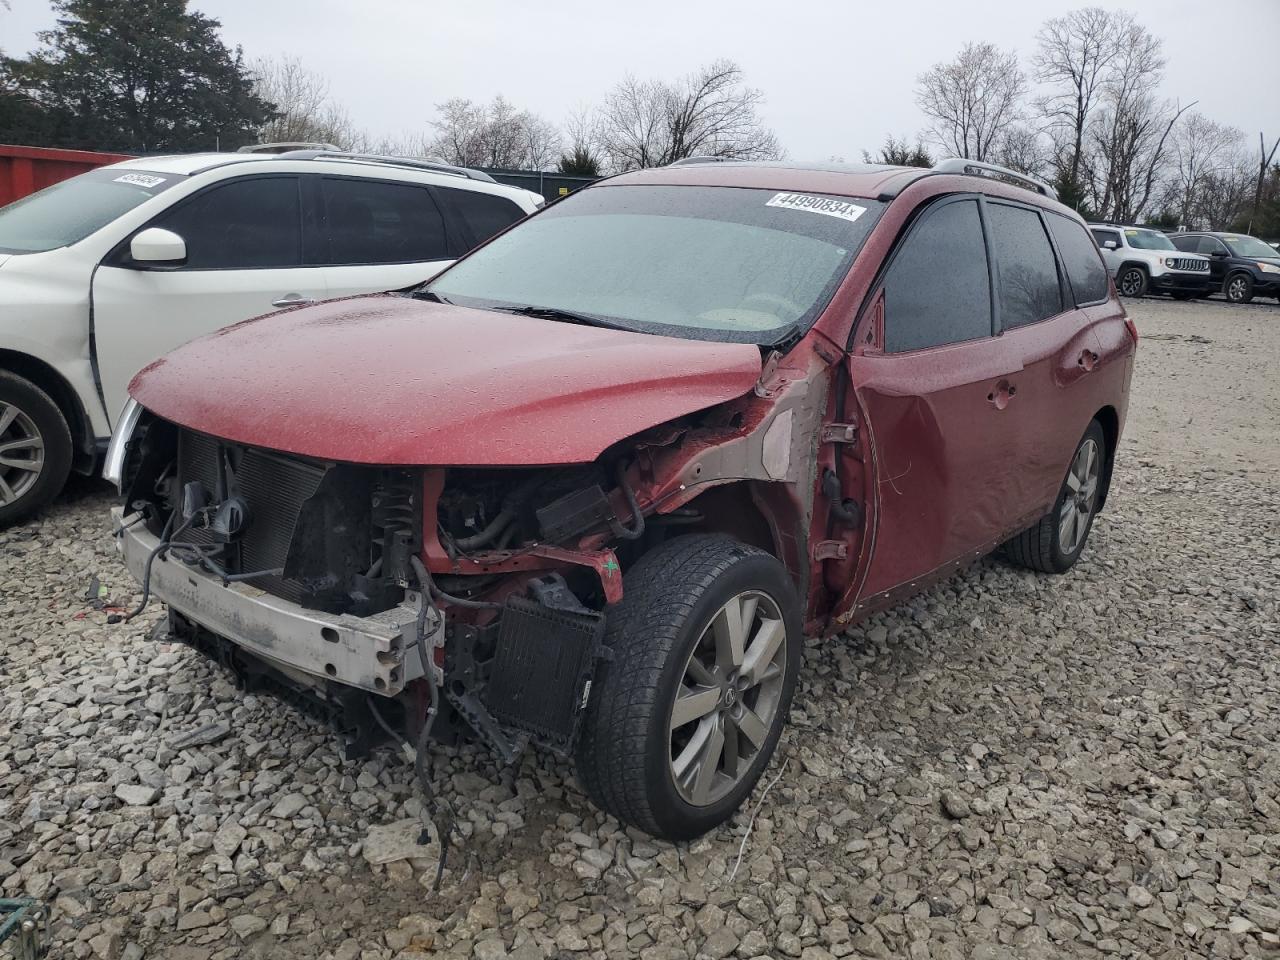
244,258
940,394
373,235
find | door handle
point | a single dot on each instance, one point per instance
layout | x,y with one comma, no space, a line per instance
1002,394
1088,360
292,300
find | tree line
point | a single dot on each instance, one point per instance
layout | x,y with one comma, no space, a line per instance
1087,113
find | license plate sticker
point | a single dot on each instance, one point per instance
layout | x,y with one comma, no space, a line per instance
827,206
141,180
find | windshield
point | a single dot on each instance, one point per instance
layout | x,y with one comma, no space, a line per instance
1249,247
1148,240
71,210
706,263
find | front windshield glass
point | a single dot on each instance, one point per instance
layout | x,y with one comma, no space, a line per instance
706,263
69,211
1249,247
1148,240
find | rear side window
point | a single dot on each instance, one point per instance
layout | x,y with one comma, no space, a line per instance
1186,244
938,289
1029,286
1080,257
248,224
377,221
483,213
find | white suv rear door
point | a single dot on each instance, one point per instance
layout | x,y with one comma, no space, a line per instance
244,258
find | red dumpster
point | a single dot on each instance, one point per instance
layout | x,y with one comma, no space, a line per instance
25,170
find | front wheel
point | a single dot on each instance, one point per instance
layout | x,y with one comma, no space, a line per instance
1055,542
1132,282
1238,288
35,449
684,717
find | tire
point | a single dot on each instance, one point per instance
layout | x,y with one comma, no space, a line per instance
1133,282
1041,546
1238,288
631,743
35,449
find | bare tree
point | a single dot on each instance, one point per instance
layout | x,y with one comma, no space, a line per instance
1264,160
650,123
305,111
1022,148
1201,149
973,100
1222,197
1074,58
495,134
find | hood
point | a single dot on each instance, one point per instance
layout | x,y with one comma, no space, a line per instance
392,380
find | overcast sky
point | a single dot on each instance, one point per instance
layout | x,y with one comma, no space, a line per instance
838,75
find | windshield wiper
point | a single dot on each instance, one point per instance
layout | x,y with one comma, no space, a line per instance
563,316
421,293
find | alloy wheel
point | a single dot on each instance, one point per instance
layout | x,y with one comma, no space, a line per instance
21,453
1080,498
1236,290
1131,283
728,698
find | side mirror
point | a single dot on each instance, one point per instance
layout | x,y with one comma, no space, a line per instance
155,245
1108,244
1219,254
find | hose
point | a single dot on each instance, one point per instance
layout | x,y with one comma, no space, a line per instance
619,531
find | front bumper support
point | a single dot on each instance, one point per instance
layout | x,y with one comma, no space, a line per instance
377,653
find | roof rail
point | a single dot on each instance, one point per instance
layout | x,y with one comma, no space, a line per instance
978,168
699,158
413,163
283,146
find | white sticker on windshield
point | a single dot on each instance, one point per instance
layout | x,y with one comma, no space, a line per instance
825,205
140,179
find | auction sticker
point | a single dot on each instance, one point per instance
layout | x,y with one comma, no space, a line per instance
140,179
811,204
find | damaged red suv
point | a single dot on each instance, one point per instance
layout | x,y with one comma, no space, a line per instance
589,488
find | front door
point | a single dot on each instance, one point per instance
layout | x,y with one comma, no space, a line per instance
940,396
244,258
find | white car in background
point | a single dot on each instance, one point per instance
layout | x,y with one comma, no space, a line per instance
1142,260
105,272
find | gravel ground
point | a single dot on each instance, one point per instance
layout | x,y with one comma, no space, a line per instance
1010,766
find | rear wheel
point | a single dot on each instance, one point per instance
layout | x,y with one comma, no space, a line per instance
1238,288
1055,543
685,716
1132,282
35,448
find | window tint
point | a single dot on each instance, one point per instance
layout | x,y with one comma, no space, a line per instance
1186,244
1102,236
241,225
1080,257
1211,245
1029,289
937,290
377,221
483,213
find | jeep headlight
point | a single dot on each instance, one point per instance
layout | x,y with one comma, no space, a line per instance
1268,267
113,465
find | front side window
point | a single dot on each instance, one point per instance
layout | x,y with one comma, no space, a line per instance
67,212
1211,245
247,224
1142,239
705,263
1105,236
938,289
1249,247
483,213
1029,286
378,221
1085,269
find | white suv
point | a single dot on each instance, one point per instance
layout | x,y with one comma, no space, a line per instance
103,273
1145,261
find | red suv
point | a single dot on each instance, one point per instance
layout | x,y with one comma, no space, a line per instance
589,488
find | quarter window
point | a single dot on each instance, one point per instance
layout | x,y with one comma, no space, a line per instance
248,224
483,213
1085,270
378,221
938,288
